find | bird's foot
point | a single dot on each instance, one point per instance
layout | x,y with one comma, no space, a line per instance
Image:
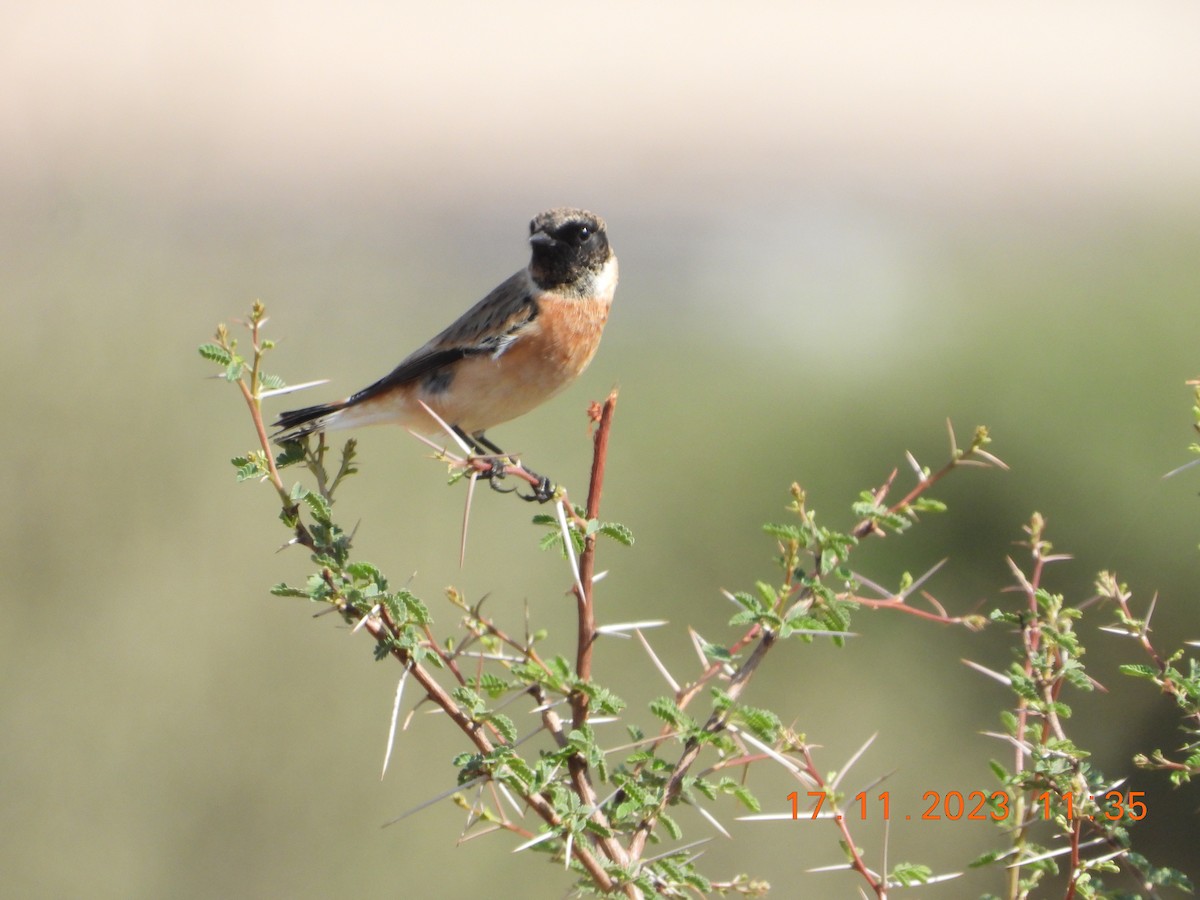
543,491
496,473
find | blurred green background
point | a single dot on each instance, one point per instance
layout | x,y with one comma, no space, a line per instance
838,227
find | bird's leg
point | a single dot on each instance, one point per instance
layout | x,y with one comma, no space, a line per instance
481,442
483,447
542,493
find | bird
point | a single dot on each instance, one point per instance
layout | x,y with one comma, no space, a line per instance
526,341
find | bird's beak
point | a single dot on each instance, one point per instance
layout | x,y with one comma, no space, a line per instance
540,239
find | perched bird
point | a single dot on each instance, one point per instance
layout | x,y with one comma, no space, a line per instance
513,350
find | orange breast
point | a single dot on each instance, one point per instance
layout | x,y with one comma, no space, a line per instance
545,358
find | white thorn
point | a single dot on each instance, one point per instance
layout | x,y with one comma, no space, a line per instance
561,508
658,663
395,716
291,388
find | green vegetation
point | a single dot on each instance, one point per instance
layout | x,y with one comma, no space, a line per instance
609,809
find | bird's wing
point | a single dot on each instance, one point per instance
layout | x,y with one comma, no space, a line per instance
489,327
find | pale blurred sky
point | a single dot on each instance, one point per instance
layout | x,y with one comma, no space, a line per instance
675,104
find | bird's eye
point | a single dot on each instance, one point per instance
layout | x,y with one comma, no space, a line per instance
582,234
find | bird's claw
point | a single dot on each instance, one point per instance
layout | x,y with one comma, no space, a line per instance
543,492
496,473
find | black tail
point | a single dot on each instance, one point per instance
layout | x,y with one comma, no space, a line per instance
296,423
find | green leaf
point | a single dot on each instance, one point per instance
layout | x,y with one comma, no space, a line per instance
292,452
666,709
706,787
699,882
469,765
868,508
467,698
216,353
784,533
319,506
1139,671
987,858
415,612
596,828
1162,877
248,467
671,826
617,532
561,668
364,571
286,590
636,796
910,873
604,700
1023,686
504,725
520,769
749,602
714,652
763,722
1066,747
492,685
747,799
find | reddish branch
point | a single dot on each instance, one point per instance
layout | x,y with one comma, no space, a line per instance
382,631
587,560
879,884
385,631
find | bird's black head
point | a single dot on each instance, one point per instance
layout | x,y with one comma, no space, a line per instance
570,248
